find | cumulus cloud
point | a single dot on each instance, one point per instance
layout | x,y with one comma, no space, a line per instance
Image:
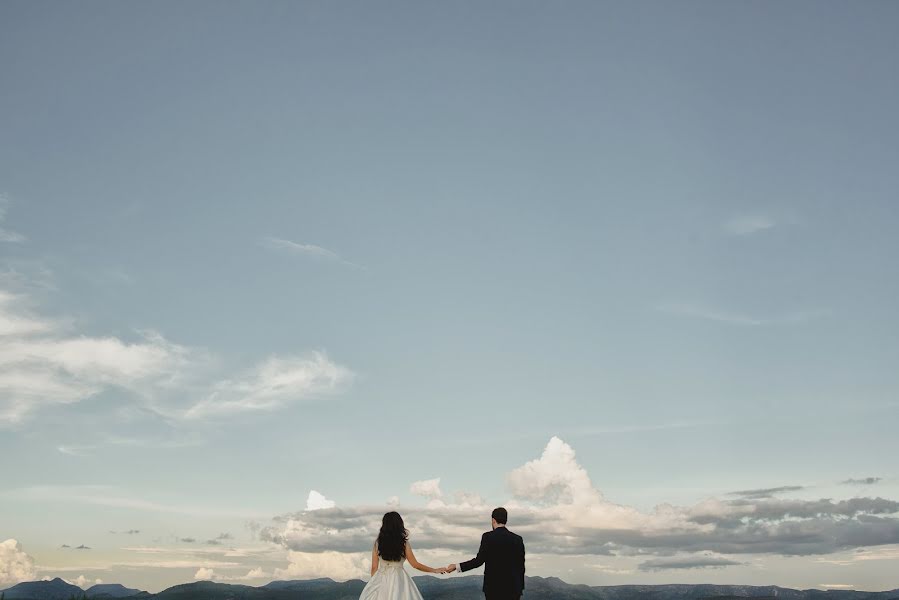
427,488
317,501
207,574
339,566
15,564
558,510
555,477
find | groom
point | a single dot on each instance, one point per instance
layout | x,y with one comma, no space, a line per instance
503,554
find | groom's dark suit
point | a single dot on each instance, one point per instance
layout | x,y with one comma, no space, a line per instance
502,553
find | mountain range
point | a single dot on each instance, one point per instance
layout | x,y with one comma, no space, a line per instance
432,588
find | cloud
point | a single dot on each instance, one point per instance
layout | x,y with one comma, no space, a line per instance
766,492
721,316
309,250
687,562
188,540
204,574
555,477
82,547
427,488
5,234
339,566
42,364
273,384
559,512
15,565
748,224
863,481
47,362
316,501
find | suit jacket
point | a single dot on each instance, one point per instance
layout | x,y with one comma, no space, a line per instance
502,553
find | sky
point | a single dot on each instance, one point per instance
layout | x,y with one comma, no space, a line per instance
268,270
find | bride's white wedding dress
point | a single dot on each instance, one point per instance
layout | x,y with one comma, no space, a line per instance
390,582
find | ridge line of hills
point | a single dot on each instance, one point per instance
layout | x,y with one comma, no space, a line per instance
433,588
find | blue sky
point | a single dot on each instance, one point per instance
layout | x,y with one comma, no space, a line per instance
252,251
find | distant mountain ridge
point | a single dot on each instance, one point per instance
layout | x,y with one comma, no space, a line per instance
432,588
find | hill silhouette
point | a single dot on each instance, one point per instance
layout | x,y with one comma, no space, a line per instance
432,588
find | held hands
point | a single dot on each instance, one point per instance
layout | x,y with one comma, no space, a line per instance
447,569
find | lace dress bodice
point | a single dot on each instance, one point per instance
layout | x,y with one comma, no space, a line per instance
390,564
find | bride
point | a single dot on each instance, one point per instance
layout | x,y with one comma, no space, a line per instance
389,580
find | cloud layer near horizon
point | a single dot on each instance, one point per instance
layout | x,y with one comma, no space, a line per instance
559,511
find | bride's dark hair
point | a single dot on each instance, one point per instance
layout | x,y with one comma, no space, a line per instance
392,537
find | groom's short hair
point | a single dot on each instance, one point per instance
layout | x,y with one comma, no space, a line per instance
500,515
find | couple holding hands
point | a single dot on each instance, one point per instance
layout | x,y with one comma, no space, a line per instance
501,552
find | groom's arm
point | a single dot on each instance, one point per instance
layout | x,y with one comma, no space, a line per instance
478,560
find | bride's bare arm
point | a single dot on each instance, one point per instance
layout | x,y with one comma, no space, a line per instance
410,556
374,558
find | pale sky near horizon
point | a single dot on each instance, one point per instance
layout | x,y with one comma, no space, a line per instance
259,258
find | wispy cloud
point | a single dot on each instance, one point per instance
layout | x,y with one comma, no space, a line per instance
87,449
274,383
46,362
766,492
309,250
748,224
721,316
862,481
687,562
111,496
5,234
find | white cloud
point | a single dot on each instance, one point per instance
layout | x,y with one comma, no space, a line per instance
15,564
555,477
339,566
427,488
310,250
273,384
559,512
42,363
748,224
45,362
204,574
16,319
317,501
